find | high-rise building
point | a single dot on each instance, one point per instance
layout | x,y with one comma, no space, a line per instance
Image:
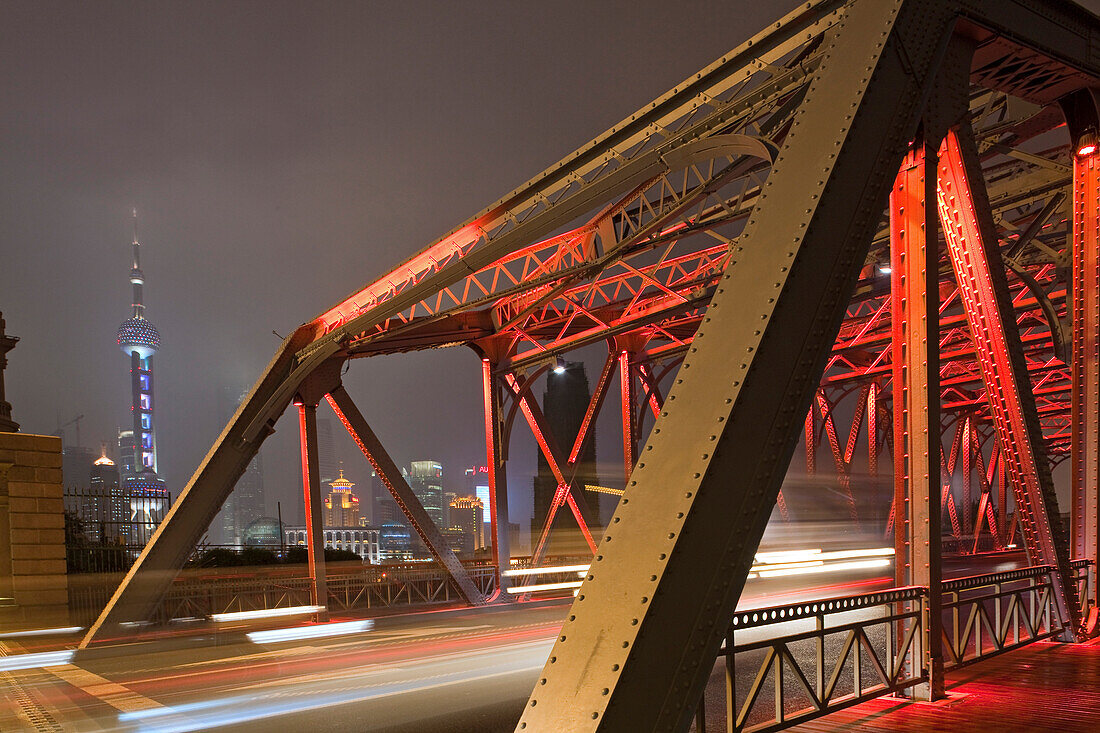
328,462
482,493
564,404
341,507
76,465
467,514
139,340
246,502
105,516
383,508
426,481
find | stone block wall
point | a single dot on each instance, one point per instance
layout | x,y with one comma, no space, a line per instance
33,585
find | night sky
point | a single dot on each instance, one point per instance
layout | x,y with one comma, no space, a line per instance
281,155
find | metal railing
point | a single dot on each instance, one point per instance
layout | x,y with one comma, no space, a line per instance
786,665
832,654
201,594
987,615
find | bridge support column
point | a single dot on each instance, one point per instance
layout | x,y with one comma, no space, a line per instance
311,490
914,264
1082,117
496,460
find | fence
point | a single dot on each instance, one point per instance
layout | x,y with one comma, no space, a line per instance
786,665
834,653
200,593
106,527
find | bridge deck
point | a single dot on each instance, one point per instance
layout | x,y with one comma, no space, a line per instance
1042,687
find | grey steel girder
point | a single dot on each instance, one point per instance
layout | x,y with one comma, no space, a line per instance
636,650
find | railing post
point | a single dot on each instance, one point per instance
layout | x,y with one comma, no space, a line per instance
731,684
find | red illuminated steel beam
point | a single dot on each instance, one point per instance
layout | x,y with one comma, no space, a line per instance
975,258
402,493
914,264
629,423
564,493
1085,346
311,493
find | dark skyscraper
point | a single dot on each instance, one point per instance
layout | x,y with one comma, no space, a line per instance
246,502
139,340
564,404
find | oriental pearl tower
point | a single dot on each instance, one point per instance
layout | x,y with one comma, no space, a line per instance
139,340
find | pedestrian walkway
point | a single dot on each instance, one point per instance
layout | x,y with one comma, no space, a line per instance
1042,687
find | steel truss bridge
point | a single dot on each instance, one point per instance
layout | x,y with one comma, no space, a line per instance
887,206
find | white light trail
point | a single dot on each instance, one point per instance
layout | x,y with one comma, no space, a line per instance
768,565
319,631
545,571
42,632
266,613
31,661
545,586
831,568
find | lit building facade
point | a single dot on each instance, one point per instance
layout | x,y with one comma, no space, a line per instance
467,514
140,340
426,481
363,541
341,506
395,542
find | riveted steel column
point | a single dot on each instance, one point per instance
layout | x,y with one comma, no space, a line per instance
648,620
983,285
498,475
1081,115
914,294
311,492
630,428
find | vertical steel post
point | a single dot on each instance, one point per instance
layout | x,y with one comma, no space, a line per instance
630,428
497,477
311,491
915,328
983,285
1085,364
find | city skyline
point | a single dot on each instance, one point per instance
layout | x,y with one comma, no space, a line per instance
253,225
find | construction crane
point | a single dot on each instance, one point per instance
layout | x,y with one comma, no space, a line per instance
60,432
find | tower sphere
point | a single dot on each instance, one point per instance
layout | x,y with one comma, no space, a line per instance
137,334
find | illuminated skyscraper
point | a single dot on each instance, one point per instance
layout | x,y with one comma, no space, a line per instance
139,340
426,481
341,506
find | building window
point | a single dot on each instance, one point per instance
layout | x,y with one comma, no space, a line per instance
144,379
146,403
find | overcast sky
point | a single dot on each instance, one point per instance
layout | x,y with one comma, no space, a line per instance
281,155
